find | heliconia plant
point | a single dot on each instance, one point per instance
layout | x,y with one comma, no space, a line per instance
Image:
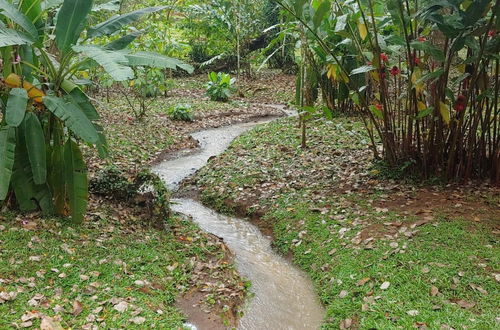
46,116
423,74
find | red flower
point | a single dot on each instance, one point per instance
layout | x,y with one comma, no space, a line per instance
422,39
491,33
460,103
379,106
395,71
416,60
383,57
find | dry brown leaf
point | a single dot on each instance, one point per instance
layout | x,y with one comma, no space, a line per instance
465,304
362,281
434,291
48,323
77,308
346,324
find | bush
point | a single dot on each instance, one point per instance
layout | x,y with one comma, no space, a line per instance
182,112
220,86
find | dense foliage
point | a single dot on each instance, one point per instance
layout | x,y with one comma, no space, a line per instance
423,74
46,116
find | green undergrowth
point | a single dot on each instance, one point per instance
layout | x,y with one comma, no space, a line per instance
96,273
372,268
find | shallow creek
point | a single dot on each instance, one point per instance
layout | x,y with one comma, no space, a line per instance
282,296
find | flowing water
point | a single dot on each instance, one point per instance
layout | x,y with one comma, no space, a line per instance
283,297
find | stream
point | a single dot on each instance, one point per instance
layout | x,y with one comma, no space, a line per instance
282,296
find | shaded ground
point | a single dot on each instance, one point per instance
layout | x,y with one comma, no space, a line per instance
383,254
136,143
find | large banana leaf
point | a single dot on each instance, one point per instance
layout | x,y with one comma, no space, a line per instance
117,22
7,150
35,143
71,22
10,37
16,106
76,180
114,63
79,98
157,61
29,196
56,174
122,42
73,118
11,12
32,9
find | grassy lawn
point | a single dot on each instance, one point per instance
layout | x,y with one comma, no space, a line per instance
102,273
382,254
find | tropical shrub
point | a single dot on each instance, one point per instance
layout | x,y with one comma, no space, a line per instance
181,112
220,86
423,74
46,117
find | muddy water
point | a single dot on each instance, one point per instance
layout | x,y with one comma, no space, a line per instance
283,297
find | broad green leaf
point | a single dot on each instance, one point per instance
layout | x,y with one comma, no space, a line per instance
429,49
425,112
114,63
122,42
7,150
475,12
76,180
362,69
321,12
35,144
32,9
376,112
82,100
79,98
299,7
117,22
10,37
70,22
157,61
11,12
16,106
56,174
430,76
25,190
73,118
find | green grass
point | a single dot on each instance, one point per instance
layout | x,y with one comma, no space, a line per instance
299,192
113,259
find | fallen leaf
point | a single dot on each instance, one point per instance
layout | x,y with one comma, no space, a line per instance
385,285
362,281
413,312
346,324
465,304
138,320
49,323
434,291
121,306
343,294
77,308
26,324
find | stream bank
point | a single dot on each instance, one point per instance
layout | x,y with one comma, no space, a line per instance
282,296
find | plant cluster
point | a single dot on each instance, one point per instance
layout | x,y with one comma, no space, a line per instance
220,86
423,75
181,112
46,116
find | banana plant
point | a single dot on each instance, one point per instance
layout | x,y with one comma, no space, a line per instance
46,116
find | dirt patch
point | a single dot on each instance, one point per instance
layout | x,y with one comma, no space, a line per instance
478,204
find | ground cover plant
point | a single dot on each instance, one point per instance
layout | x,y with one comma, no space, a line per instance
382,253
